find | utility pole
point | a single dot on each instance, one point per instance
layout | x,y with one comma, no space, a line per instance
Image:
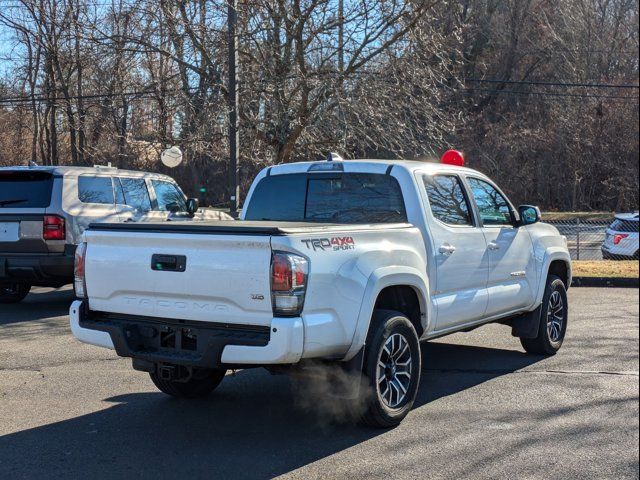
234,137
341,36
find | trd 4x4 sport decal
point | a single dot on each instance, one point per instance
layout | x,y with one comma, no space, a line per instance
334,243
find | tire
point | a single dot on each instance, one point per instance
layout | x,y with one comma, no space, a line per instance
554,316
13,292
393,341
200,385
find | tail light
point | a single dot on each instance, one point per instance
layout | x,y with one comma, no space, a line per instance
617,238
53,228
79,281
289,274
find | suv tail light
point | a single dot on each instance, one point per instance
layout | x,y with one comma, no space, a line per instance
79,283
617,238
53,228
289,275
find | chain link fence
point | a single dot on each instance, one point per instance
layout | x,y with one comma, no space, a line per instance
606,239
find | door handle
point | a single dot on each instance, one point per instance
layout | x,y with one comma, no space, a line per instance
447,249
493,246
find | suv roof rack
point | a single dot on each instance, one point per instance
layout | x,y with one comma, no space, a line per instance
108,166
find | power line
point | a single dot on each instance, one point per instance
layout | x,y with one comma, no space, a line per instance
149,92
551,84
551,94
145,93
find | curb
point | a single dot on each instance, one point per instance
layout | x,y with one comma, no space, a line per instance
605,282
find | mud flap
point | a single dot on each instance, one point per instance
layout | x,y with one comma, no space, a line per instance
527,325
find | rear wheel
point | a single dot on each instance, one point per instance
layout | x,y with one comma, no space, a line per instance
391,368
553,320
201,384
13,292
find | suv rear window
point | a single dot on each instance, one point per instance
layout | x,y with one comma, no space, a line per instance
328,198
25,189
625,226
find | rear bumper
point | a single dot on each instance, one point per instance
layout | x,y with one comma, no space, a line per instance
617,253
39,270
197,344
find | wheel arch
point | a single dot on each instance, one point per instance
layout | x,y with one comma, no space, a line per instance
556,262
404,299
389,287
561,269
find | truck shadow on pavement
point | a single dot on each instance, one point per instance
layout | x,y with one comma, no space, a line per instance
54,302
251,427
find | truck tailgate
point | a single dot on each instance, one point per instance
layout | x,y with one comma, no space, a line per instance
221,278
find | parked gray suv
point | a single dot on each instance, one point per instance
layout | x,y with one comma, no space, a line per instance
45,210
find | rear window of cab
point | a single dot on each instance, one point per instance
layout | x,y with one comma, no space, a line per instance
328,198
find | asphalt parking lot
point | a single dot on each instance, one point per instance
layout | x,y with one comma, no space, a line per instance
484,410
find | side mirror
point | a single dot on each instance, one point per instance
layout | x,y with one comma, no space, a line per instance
529,214
192,206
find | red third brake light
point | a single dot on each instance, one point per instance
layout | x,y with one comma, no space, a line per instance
618,237
53,228
453,157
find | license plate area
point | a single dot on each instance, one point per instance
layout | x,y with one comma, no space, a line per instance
178,338
9,231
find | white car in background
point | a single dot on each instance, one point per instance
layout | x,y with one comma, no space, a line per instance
621,240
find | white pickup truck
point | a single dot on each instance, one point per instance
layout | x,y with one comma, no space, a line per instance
345,262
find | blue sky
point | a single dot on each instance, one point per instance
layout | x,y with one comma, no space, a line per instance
6,45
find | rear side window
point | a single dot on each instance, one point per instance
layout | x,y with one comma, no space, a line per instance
328,198
135,193
25,189
92,189
627,226
447,199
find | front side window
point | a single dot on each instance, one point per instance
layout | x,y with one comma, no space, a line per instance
447,199
494,208
328,198
135,193
169,198
92,189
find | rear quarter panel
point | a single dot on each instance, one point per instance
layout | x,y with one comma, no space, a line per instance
346,273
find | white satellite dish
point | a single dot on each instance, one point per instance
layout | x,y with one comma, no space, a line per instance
171,157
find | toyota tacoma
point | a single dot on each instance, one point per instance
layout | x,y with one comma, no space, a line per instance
351,263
